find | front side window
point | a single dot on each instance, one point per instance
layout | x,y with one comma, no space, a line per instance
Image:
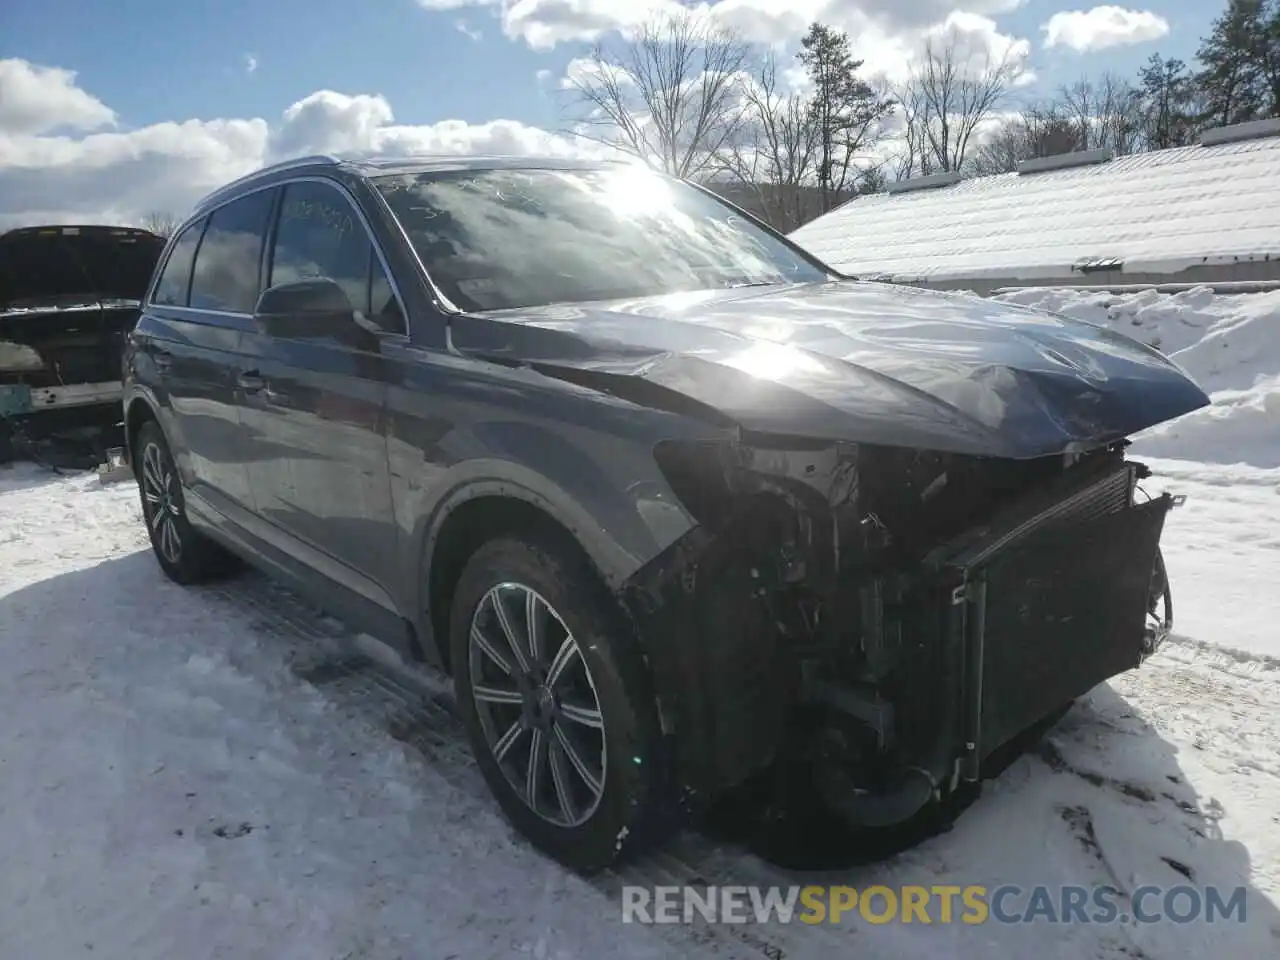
175,280
227,261
320,235
507,238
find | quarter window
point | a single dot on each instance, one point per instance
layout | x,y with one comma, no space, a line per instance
320,235
227,263
175,280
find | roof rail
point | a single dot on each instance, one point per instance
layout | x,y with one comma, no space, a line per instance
313,160
1064,161
1236,132
924,183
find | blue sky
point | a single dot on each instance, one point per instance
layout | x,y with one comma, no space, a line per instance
154,60
114,109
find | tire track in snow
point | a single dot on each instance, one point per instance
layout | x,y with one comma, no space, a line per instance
410,703
413,705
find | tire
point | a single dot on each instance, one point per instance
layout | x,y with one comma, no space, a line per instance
185,555
507,711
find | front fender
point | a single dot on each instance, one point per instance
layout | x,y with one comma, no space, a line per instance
139,398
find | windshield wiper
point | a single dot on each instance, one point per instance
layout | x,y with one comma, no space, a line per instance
754,283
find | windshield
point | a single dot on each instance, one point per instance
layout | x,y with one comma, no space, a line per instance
499,239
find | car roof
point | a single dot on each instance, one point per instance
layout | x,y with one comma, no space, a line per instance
391,166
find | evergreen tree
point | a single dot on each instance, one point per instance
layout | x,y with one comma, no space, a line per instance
1232,80
845,110
1269,55
1167,93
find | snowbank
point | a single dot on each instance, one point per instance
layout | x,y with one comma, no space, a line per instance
1229,344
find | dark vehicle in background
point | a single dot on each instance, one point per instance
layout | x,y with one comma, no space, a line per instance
69,296
674,503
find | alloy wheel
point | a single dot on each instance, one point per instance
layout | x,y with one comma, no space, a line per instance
161,501
537,704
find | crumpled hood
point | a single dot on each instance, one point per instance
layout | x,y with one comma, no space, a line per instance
72,265
858,361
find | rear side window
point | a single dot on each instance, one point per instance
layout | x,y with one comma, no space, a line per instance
320,235
227,262
175,280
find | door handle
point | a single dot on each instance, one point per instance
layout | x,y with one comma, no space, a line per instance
251,382
162,359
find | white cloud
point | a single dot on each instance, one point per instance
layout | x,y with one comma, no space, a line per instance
118,176
1103,27
468,31
978,42
250,63
584,70
336,123
884,51
543,24
41,99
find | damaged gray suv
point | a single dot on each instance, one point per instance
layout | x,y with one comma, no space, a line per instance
672,501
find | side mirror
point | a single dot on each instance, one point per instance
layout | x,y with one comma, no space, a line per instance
315,307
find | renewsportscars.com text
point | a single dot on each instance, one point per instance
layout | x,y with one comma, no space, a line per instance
938,903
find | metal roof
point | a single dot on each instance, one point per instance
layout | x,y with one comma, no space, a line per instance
1156,212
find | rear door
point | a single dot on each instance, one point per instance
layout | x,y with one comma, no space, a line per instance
195,325
322,405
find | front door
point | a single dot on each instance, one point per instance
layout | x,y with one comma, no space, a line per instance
321,406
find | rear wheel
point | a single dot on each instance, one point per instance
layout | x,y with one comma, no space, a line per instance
556,703
185,555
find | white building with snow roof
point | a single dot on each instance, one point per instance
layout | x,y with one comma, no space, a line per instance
1208,213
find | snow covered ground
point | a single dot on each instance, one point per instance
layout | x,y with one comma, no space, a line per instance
217,772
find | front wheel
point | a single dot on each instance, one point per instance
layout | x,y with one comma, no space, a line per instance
557,704
185,555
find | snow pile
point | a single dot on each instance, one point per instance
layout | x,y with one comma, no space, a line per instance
1230,344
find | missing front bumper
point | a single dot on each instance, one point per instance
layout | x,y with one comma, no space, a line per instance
913,676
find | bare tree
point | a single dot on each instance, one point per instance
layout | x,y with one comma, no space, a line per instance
774,154
1043,130
160,222
947,98
1107,112
912,157
671,95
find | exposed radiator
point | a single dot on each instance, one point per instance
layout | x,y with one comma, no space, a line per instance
1051,600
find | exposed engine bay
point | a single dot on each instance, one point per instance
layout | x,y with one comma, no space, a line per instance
896,616
69,295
